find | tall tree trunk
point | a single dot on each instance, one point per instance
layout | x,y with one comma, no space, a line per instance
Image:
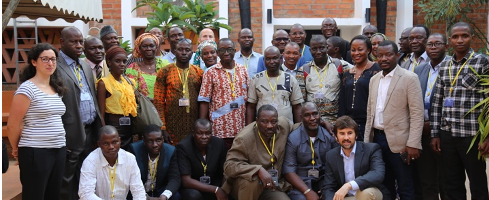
9,11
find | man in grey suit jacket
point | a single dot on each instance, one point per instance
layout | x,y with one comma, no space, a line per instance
395,119
417,43
82,117
363,163
428,166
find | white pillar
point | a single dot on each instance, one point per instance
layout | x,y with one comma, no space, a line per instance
267,29
224,12
404,16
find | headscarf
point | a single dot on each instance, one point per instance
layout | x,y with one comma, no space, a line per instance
372,57
135,52
201,46
113,51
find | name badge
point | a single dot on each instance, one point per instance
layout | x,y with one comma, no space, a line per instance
427,105
233,106
85,96
183,102
314,173
448,102
205,180
274,174
124,121
319,95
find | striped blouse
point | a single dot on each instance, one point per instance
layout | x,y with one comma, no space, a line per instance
42,127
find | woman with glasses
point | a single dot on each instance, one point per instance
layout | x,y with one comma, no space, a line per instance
355,82
115,96
375,40
176,90
35,128
206,50
144,71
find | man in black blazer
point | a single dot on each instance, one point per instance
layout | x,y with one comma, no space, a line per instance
428,167
82,117
164,183
363,161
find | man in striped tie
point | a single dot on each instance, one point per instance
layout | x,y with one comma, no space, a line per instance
94,57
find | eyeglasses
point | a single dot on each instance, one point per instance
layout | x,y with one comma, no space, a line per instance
229,50
281,39
46,59
436,44
403,39
418,38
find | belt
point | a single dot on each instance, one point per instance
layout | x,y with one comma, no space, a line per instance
378,131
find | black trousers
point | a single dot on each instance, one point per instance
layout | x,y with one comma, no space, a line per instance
41,172
192,194
125,131
456,161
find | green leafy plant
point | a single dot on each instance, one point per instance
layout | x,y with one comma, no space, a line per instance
126,45
205,15
483,118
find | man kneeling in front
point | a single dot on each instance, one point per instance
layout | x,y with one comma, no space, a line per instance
110,172
354,170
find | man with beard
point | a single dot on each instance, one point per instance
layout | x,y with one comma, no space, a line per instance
201,159
355,170
254,163
158,165
82,116
280,39
320,81
246,56
369,30
274,87
298,35
110,172
109,38
94,57
223,94
174,35
329,29
417,42
428,167
305,155
404,48
395,120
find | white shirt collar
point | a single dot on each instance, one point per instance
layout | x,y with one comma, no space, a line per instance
391,74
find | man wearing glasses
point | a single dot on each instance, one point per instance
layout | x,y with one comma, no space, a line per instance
280,39
404,48
223,94
417,42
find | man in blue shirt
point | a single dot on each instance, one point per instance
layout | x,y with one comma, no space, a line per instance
298,35
246,56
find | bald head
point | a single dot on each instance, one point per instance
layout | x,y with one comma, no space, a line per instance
308,106
71,42
280,39
329,27
272,50
158,33
369,30
206,34
245,31
67,31
107,130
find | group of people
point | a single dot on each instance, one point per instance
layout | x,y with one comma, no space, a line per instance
335,119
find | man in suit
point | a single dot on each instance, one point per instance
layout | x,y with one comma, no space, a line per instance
428,166
82,117
157,162
95,54
404,48
417,43
363,162
395,119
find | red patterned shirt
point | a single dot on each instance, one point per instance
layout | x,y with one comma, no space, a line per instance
226,112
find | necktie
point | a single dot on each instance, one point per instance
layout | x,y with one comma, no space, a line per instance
98,72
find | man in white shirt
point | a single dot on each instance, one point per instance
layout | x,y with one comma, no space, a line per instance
246,56
110,172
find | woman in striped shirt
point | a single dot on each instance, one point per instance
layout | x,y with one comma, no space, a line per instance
39,147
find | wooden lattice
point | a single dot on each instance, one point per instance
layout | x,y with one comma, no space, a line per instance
45,35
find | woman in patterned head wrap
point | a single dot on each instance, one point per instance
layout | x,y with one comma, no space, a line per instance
206,50
144,71
376,39
115,96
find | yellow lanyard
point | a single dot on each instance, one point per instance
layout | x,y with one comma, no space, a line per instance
152,171
319,75
246,64
231,81
184,82
112,180
78,75
415,64
450,72
312,149
273,88
430,84
303,48
205,168
266,147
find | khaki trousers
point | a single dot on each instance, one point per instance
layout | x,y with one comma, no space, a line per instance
371,193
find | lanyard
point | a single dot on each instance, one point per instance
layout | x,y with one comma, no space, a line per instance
78,75
270,84
303,48
312,149
415,64
268,150
232,81
430,85
112,180
246,64
152,171
184,81
458,73
205,167
319,75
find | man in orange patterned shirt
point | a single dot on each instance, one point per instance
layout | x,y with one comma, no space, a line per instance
223,94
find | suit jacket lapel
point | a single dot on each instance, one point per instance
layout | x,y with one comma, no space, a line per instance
341,168
375,91
392,85
424,78
144,171
66,69
161,163
358,158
